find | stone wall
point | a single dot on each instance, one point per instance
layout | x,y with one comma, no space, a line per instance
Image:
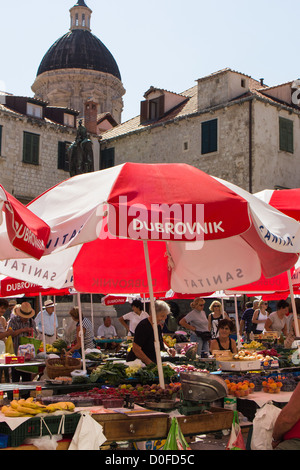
23,180
180,141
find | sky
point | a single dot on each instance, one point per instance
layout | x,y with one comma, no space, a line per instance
168,44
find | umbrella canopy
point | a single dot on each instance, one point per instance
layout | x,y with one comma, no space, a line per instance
151,227
20,229
285,200
203,234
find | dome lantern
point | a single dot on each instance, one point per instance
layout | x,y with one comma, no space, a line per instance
80,16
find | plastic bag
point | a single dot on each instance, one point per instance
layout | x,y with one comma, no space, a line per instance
44,442
88,435
236,440
175,439
9,346
263,424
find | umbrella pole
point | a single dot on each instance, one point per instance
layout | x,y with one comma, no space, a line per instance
293,304
43,326
153,313
92,311
237,322
54,315
81,332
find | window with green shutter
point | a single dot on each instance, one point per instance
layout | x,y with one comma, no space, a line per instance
31,148
286,135
209,136
62,156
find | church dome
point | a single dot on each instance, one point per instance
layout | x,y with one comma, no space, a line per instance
79,49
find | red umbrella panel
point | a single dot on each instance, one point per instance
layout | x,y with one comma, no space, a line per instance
23,230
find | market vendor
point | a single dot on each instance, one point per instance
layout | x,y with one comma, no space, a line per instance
134,317
223,342
107,330
22,323
143,347
50,322
277,320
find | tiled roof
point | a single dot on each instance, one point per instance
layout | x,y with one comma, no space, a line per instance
190,106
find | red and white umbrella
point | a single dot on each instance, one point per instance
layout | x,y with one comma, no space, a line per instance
285,200
288,202
151,227
20,229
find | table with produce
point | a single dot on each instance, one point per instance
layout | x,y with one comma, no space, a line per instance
128,401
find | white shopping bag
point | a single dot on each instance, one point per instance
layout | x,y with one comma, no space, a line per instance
263,425
88,435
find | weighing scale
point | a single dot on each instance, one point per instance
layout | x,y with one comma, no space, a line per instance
199,390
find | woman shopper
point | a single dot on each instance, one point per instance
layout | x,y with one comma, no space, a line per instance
88,332
260,317
196,321
277,321
217,314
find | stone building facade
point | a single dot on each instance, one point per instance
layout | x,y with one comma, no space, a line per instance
228,125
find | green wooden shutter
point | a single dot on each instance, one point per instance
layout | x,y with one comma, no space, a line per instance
286,135
209,136
31,148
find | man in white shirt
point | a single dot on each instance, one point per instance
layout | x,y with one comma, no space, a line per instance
107,330
50,322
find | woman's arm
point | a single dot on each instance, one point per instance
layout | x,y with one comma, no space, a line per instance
268,324
123,322
77,345
287,418
5,334
209,322
214,345
137,350
186,325
233,346
255,315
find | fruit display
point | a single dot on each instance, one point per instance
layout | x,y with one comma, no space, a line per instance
253,345
50,349
240,389
272,385
245,355
189,368
169,341
30,408
139,393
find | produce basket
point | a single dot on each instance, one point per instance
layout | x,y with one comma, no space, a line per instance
62,367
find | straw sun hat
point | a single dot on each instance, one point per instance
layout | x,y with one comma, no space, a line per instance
24,310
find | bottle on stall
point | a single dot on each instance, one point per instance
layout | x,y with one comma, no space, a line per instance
38,393
1,398
16,394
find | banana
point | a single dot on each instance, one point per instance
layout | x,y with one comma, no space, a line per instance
33,405
11,412
30,411
14,404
